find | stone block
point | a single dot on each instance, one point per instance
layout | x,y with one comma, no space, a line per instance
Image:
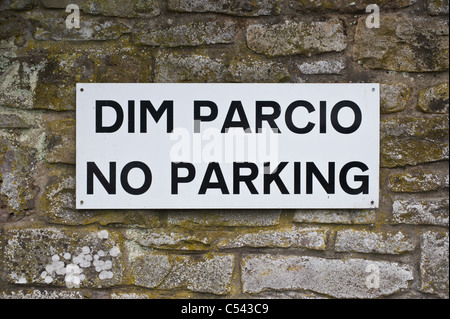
291,38
420,212
403,44
346,278
231,7
191,34
392,243
394,97
434,267
413,140
50,256
434,99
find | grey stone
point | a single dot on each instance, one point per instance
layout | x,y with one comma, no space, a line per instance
231,7
434,99
438,7
374,242
192,34
416,180
420,212
52,26
174,67
290,38
210,273
246,218
356,217
394,97
256,70
46,256
434,263
312,238
347,278
323,67
405,44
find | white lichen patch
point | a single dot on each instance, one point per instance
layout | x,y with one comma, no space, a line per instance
73,266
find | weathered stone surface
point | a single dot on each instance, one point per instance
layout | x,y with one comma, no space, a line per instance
434,263
18,189
61,141
52,26
417,180
172,239
349,5
323,67
256,70
420,212
173,67
348,278
237,8
412,140
311,238
394,97
191,34
291,38
438,7
22,4
14,121
246,218
356,217
434,99
210,273
42,294
403,44
18,81
50,256
114,8
374,242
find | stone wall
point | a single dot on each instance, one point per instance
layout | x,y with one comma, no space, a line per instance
48,249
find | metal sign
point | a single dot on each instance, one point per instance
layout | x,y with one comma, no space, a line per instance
227,146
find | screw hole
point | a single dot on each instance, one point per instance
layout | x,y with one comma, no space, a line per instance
81,202
82,90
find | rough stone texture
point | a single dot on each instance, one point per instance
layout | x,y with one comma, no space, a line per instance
191,34
114,8
416,181
210,273
312,238
322,67
394,97
421,212
434,99
374,242
171,67
77,259
237,8
226,218
292,38
412,140
438,7
333,277
348,5
434,263
53,27
355,217
403,44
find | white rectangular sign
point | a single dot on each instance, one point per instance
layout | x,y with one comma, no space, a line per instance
227,146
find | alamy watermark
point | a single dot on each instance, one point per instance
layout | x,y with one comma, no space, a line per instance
73,19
